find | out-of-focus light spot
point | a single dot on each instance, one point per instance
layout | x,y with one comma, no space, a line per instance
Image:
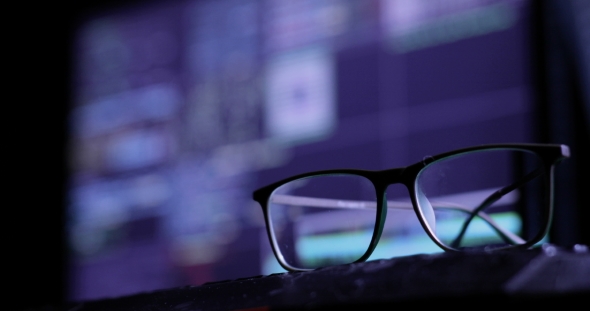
150,191
299,96
191,250
137,149
413,25
157,102
247,157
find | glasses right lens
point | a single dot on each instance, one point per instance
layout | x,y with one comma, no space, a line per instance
323,220
491,198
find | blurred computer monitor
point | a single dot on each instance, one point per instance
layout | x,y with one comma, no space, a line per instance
182,108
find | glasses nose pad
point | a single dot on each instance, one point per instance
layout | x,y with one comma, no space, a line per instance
426,209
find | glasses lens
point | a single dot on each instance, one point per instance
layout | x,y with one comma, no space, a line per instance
492,198
323,220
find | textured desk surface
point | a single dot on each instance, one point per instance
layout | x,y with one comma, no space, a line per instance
533,277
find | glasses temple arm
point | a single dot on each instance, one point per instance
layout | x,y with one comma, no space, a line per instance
491,199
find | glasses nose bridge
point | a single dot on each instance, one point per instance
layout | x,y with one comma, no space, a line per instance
391,176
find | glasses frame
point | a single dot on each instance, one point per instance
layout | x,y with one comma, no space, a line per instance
549,154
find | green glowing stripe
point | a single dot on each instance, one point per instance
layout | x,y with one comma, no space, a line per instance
448,228
353,245
340,244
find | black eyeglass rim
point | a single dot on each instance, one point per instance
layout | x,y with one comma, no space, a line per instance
550,155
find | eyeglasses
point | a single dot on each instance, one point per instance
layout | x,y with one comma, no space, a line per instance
488,197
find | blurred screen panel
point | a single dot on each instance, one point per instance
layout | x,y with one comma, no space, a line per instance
183,108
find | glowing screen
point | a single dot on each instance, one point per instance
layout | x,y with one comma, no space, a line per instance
183,108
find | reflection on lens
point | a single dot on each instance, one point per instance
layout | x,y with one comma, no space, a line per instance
323,220
492,198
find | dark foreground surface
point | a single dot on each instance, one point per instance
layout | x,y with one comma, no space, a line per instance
460,281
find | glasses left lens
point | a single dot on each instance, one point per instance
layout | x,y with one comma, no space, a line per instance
323,220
